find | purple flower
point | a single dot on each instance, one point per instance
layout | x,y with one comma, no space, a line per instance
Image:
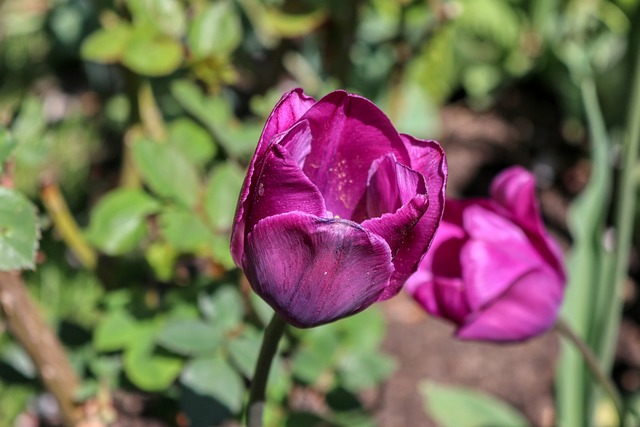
492,269
337,208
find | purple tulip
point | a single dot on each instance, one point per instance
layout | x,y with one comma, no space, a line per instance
492,269
337,208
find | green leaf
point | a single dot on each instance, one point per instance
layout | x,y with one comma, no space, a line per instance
225,308
222,192
115,331
216,31
118,220
144,367
365,330
459,407
107,368
317,354
220,250
107,45
166,171
415,114
167,16
261,308
244,351
217,115
212,112
7,144
364,369
152,54
184,230
189,337
214,377
161,256
292,26
242,140
18,231
16,357
192,140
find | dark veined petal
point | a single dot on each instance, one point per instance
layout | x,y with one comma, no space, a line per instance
349,133
281,186
289,109
313,270
527,309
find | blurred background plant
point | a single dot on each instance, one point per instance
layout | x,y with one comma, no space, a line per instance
129,123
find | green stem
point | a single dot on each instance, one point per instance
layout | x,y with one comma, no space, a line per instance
593,365
272,336
66,225
624,213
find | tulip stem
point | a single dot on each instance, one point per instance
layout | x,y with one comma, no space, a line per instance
593,365
272,336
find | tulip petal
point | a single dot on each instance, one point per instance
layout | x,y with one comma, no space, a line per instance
430,160
349,133
316,270
490,268
515,190
444,298
289,109
527,309
281,186
391,185
396,195
481,223
395,228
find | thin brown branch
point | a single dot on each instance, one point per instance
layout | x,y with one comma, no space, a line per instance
25,323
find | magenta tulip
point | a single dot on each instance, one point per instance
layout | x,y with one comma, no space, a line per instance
337,208
492,269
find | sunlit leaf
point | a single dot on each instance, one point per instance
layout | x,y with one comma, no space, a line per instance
18,231
118,220
146,368
107,45
161,256
192,140
459,407
152,54
166,170
168,16
184,230
189,337
115,331
221,195
215,31
7,145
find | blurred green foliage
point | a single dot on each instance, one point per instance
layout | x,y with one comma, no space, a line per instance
146,112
